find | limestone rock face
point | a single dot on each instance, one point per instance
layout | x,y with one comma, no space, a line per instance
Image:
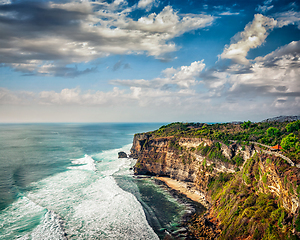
279,185
122,155
137,145
179,159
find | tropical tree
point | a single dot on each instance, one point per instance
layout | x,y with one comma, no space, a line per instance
293,126
273,132
290,142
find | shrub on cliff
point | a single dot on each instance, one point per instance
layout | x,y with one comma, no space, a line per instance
273,132
244,211
293,126
213,152
290,142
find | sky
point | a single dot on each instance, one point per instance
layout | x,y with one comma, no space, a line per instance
148,60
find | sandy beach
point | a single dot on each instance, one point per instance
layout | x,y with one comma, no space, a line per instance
183,188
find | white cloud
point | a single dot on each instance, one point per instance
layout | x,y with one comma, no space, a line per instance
288,17
182,78
253,36
228,13
273,79
20,98
173,88
76,97
80,31
292,49
266,7
269,86
147,4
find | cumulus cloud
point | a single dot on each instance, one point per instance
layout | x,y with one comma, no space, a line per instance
269,85
76,97
133,96
8,97
44,68
272,79
253,36
38,37
288,17
290,51
181,78
173,87
147,4
67,96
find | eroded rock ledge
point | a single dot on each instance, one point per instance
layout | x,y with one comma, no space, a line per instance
184,159
180,160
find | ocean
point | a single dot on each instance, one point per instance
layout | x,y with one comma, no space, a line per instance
65,181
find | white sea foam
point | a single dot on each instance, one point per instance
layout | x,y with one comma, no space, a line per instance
17,218
49,229
86,163
110,163
109,213
25,215
91,203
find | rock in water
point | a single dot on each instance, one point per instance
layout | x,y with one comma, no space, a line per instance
122,155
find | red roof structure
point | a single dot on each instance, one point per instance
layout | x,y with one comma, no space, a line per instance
276,147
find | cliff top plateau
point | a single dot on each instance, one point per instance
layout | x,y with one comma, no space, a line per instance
249,187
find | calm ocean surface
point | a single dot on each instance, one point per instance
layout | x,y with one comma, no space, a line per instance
64,181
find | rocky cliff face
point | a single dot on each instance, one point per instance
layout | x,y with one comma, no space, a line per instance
179,159
274,176
182,159
137,145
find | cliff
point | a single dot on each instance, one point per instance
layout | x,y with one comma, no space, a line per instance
181,159
226,176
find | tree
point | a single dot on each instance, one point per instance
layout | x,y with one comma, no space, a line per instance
289,142
293,126
246,124
273,132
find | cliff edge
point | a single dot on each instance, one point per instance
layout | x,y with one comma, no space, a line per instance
248,190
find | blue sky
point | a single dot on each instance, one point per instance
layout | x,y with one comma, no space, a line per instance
148,60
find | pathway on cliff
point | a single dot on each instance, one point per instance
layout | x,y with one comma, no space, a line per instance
273,153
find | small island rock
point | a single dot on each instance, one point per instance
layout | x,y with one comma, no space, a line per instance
122,155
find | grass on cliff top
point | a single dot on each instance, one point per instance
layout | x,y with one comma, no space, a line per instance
244,207
287,134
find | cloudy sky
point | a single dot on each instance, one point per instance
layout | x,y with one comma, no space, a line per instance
148,60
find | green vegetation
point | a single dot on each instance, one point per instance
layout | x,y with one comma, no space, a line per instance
244,203
238,159
243,211
290,142
273,132
287,134
246,124
212,152
293,126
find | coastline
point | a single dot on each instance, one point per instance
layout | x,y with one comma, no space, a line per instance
182,187
155,207
197,224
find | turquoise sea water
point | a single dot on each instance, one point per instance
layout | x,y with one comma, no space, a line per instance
64,181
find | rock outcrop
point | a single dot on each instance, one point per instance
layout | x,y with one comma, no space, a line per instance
249,191
182,160
179,159
282,119
122,155
137,145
